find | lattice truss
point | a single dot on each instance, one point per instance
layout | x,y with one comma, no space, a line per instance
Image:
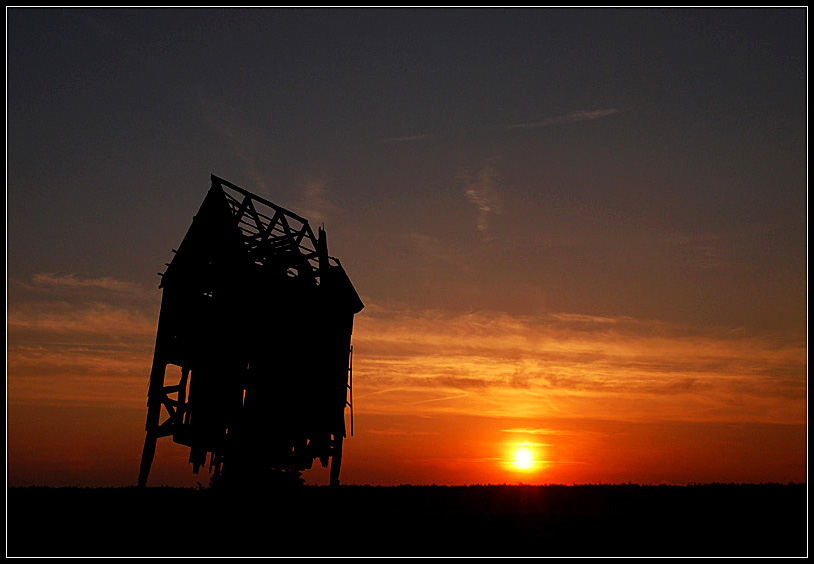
271,230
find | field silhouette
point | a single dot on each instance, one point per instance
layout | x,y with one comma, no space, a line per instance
590,520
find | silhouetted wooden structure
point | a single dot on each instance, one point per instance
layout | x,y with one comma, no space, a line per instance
256,320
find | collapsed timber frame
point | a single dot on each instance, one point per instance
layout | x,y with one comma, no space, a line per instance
256,318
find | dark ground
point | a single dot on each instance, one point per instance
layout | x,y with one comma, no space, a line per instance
594,520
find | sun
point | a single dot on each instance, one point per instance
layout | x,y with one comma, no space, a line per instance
523,458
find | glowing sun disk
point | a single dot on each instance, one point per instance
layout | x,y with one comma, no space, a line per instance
523,458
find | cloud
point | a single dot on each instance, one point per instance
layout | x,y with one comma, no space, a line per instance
576,116
511,366
582,318
708,251
481,190
102,320
400,432
240,136
72,307
79,340
49,280
535,431
429,362
315,205
408,138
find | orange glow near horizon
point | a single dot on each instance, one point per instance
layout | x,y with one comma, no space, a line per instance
438,398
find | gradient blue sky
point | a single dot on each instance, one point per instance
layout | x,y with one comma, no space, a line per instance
562,222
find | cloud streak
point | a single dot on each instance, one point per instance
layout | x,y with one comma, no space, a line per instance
315,204
97,319
79,340
49,280
481,190
427,362
572,117
576,364
570,383
408,138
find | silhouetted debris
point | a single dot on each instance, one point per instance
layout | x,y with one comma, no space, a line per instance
256,318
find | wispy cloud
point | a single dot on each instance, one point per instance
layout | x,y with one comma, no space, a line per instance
408,138
534,431
75,307
508,365
429,362
50,280
79,339
575,116
582,318
400,432
315,204
708,251
481,189
240,136
103,320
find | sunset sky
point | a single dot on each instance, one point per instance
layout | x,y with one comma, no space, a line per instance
582,231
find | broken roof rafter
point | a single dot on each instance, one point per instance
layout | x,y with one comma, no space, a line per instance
272,231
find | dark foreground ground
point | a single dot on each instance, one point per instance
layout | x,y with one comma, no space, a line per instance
624,520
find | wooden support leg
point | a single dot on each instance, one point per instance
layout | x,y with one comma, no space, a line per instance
336,459
147,457
153,416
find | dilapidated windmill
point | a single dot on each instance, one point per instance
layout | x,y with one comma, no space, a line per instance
254,337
